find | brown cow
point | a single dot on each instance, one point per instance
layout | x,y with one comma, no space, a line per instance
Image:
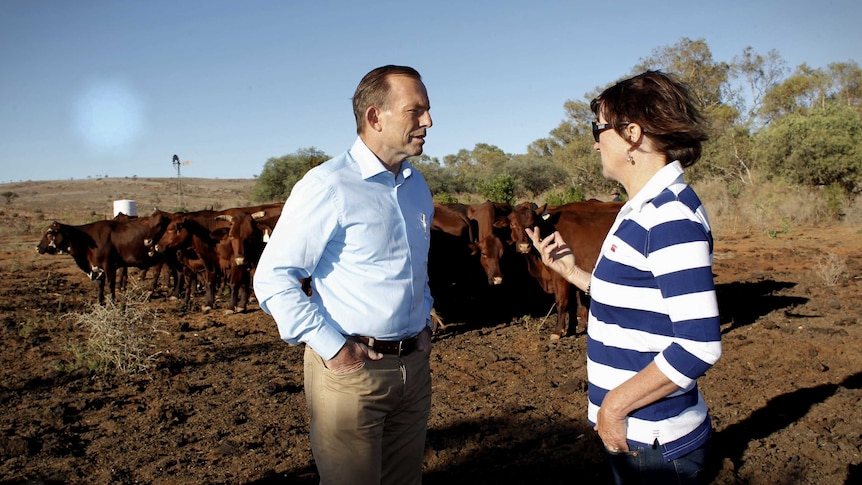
490,218
200,232
100,248
475,226
238,252
227,242
584,226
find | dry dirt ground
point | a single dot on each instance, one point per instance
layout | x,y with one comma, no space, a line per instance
224,401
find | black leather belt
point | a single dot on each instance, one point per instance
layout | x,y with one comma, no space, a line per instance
391,347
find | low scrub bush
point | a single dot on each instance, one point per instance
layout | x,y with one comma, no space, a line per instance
830,268
120,336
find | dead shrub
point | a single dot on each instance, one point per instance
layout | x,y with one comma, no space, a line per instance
830,268
120,335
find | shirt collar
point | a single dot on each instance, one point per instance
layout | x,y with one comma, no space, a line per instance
662,179
370,165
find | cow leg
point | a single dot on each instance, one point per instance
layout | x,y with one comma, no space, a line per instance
100,289
210,286
583,310
243,289
124,277
180,279
190,281
561,295
111,276
157,273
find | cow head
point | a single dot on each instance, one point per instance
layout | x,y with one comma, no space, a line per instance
175,236
243,240
523,216
491,251
157,222
53,241
491,219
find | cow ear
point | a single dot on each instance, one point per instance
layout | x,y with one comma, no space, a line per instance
533,206
474,249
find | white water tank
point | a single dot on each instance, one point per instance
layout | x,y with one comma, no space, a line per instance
127,207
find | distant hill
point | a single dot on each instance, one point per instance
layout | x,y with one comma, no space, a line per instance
80,201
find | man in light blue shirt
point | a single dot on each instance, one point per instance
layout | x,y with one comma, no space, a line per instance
359,226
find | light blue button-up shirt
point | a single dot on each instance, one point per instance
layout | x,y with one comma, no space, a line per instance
363,235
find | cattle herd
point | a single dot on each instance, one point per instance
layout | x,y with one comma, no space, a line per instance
210,250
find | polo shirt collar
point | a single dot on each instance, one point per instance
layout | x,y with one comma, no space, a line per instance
662,179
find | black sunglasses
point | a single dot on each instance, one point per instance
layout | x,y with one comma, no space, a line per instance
599,128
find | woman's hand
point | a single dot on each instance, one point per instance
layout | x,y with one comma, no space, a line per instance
556,254
611,427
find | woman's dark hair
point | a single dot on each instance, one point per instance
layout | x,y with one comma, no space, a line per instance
373,90
663,107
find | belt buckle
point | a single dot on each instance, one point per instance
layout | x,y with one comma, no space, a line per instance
400,347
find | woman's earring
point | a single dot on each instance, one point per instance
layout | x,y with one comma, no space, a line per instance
629,158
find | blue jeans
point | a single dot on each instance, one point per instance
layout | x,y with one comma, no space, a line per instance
645,465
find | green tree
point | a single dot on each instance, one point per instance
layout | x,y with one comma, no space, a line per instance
501,188
9,196
279,175
570,146
535,175
804,89
816,147
691,61
846,83
571,193
440,179
757,74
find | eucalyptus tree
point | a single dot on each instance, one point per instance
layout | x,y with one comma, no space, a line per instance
280,174
820,146
808,88
483,162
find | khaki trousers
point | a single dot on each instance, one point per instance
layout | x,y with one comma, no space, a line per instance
369,426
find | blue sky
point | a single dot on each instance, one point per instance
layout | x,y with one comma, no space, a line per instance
95,88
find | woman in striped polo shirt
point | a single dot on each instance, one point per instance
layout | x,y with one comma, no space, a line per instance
653,327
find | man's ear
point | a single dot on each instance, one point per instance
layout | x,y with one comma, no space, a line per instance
372,117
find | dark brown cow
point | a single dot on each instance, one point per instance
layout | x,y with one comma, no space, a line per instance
477,227
101,248
227,242
200,232
239,252
454,277
492,222
584,226
452,219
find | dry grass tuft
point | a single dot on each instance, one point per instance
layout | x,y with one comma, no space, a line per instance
771,207
831,269
120,336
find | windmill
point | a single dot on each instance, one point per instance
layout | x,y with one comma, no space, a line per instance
177,165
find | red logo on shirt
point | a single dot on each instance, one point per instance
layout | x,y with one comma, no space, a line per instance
613,248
